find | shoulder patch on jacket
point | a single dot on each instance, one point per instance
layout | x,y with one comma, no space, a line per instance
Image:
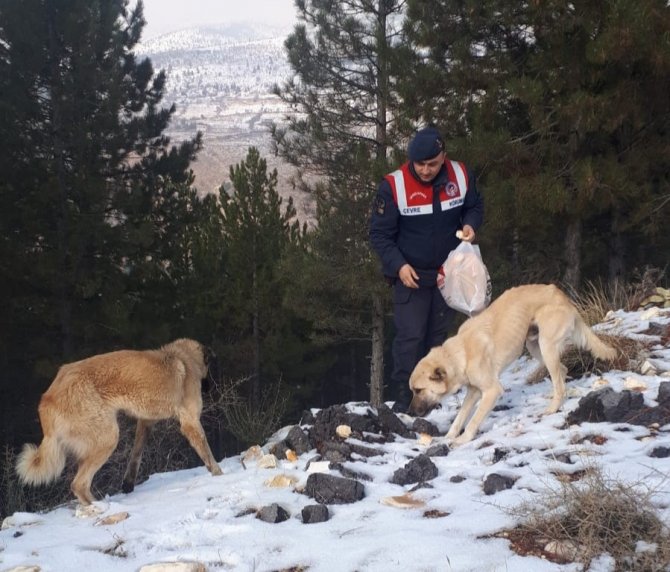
380,205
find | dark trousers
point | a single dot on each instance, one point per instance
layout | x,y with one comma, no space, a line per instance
422,320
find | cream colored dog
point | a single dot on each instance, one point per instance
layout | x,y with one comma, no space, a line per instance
78,411
539,315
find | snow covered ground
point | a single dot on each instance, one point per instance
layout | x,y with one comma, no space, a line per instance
190,516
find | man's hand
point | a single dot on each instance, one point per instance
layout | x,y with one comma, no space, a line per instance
408,276
467,234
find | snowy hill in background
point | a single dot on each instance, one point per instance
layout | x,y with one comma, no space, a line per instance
213,63
221,78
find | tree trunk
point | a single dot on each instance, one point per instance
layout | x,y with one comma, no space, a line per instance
256,336
62,217
573,248
377,358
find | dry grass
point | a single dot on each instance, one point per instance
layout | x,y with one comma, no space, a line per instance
16,497
631,354
596,299
594,516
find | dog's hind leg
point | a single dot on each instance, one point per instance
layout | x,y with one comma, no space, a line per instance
552,342
195,434
142,432
487,402
471,396
533,345
551,354
91,459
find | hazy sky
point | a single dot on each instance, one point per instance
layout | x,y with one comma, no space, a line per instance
168,15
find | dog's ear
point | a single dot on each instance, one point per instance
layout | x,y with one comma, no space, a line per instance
438,374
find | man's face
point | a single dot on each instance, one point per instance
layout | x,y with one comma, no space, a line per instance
427,170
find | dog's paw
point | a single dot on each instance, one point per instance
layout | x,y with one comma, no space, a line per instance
90,510
216,471
461,440
552,408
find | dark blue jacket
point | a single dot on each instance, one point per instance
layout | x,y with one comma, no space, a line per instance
422,240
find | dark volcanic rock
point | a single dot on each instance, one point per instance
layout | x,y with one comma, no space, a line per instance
624,407
330,489
495,483
391,423
307,418
499,454
314,513
351,474
327,420
418,470
365,451
420,425
279,449
660,452
439,450
298,440
335,451
606,405
273,514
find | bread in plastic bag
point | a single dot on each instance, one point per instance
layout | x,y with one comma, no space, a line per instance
464,281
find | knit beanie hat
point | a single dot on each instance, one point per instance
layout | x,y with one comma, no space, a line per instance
426,144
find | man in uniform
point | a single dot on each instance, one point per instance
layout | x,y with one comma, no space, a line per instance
415,216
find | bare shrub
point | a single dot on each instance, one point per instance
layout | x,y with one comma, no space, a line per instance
14,496
598,515
253,425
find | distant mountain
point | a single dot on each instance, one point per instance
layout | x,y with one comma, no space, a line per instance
221,78
212,36
219,61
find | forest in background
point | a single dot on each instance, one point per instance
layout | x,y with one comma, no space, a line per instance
560,108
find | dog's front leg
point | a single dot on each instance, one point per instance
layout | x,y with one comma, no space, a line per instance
489,397
471,396
195,434
142,432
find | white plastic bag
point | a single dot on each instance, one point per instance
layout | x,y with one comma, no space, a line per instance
464,281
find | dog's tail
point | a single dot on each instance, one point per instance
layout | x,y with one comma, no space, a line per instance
587,339
43,464
40,465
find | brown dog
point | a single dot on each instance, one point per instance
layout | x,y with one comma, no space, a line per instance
78,412
539,315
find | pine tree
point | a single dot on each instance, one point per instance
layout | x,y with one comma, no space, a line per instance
257,231
81,134
339,139
560,106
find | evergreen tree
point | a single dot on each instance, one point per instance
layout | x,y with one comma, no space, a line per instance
81,144
560,106
257,232
173,272
339,138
